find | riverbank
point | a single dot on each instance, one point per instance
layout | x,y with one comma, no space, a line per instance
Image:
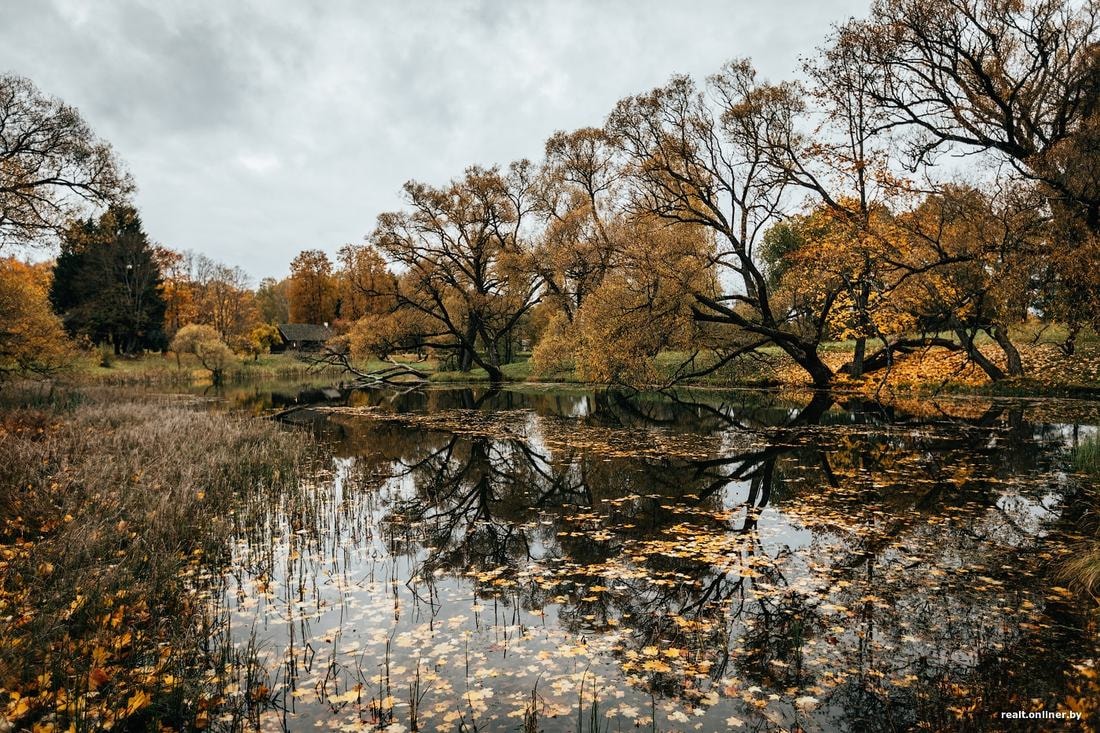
1048,371
165,369
113,510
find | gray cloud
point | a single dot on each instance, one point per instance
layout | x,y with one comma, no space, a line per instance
257,129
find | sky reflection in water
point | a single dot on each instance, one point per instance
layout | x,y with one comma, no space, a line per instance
580,561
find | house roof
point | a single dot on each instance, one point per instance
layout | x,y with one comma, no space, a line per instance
304,332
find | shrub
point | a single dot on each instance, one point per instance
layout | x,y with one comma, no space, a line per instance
204,343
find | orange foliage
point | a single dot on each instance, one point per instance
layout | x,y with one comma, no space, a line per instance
32,339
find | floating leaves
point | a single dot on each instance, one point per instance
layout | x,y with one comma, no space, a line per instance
494,570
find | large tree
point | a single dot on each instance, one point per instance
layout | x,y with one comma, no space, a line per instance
705,158
844,163
579,200
1015,80
640,308
464,263
52,166
107,282
989,249
366,285
312,288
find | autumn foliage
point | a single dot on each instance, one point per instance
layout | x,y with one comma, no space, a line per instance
32,339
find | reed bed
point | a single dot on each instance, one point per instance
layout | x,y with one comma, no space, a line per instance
115,514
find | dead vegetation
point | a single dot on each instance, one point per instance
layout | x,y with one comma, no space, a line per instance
111,510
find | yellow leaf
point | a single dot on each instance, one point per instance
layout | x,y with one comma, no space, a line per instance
137,701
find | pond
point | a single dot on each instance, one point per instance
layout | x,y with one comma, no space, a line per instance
568,560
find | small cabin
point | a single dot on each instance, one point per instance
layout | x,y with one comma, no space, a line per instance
303,336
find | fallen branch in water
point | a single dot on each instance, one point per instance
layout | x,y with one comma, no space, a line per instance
395,374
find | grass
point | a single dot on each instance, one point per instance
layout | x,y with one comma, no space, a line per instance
1049,373
112,511
160,369
666,362
1086,457
519,371
1083,569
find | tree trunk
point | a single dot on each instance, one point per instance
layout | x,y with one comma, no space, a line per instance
884,357
1012,354
856,368
864,295
809,360
495,375
466,355
994,372
1069,346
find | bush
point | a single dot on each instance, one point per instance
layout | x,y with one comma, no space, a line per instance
33,342
204,343
106,356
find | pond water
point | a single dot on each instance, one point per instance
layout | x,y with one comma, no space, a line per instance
569,560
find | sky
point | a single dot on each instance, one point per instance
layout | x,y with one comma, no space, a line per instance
255,130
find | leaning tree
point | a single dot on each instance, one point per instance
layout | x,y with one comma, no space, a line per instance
706,158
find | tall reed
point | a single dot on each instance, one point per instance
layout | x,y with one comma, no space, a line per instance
113,512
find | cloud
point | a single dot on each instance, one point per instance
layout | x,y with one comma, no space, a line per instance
257,129
259,163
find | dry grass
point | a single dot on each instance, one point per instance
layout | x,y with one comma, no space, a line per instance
111,509
158,369
1083,569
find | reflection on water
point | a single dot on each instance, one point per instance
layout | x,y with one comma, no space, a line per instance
569,560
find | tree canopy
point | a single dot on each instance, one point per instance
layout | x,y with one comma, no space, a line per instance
53,168
107,282
32,339
701,224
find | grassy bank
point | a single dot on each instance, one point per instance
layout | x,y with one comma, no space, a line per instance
112,510
1049,372
159,369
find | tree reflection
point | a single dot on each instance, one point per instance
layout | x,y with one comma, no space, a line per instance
884,586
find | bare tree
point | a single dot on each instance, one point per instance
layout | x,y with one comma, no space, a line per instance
707,159
53,168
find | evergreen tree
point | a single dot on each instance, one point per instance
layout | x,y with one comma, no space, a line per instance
107,283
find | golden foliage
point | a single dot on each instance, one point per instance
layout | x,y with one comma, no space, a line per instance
312,288
641,308
32,339
204,343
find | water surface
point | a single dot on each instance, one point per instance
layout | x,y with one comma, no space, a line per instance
571,560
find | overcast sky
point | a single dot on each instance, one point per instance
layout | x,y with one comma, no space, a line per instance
257,129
